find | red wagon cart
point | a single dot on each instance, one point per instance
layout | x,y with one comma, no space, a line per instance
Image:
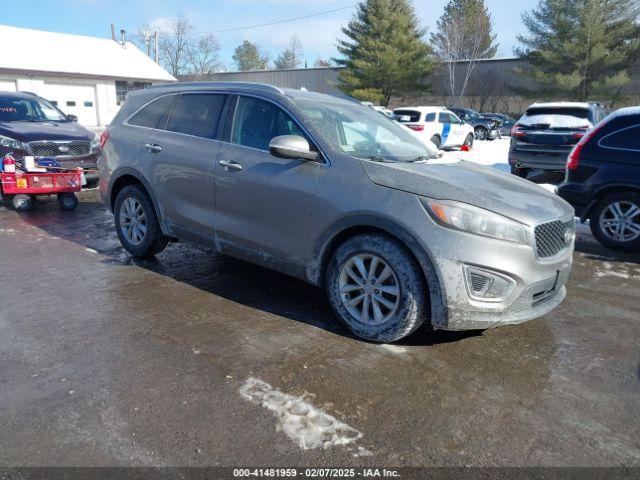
20,187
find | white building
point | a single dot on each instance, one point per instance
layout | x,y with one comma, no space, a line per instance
84,76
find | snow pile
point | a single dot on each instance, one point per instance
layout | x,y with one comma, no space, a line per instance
307,426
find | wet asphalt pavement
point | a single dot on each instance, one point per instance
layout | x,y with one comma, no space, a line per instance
110,362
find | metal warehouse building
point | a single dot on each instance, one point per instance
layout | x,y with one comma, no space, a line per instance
84,76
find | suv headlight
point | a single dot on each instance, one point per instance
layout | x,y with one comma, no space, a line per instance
11,143
468,218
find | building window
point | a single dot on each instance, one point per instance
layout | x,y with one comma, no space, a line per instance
54,103
123,87
88,104
71,103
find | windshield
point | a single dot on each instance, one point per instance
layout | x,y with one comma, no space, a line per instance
16,109
364,133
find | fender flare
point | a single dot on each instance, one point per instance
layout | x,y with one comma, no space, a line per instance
321,250
128,171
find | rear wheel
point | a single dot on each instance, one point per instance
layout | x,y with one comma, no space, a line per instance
22,202
436,141
480,133
137,224
67,201
376,288
615,220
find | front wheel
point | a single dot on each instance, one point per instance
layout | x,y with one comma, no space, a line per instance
615,220
137,224
480,133
376,288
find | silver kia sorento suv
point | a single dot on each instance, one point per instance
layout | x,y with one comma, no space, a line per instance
330,191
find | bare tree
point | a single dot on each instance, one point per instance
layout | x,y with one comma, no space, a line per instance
174,45
181,50
204,55
459,36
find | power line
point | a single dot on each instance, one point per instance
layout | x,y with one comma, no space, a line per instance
246,27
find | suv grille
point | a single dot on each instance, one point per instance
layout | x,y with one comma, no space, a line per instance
60,148
553,237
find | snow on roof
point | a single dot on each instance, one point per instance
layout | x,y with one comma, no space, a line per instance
36,50
561,105
423,109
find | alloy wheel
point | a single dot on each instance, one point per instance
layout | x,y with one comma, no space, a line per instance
620,221
133,222
369,289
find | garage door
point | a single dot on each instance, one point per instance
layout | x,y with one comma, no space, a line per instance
7,86
78,100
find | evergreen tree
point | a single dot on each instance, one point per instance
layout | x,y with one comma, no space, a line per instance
581,48
384,53
470,22
248,57
290,57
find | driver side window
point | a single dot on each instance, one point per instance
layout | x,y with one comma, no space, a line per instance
256,122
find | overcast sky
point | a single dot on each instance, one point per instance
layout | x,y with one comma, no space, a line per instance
318,34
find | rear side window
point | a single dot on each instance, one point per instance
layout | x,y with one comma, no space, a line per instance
256,122
196,114
151,115
413,116
624,139
430,117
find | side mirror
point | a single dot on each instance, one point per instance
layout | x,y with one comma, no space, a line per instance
291,146
73,118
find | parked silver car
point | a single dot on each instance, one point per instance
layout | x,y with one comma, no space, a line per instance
332,192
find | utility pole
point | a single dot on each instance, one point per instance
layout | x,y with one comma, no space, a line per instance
113,33
155,46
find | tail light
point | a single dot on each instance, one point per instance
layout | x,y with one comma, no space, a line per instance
581,133
574,156
516,131
417,128
103,138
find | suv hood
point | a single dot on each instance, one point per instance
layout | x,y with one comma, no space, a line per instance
31,131
474,184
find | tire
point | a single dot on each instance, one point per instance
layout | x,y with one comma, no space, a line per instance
625,205
410,303
22,202
67,201
520,172
480,133
139,242
436,141
469,140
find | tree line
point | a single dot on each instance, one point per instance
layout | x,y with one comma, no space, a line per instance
574,49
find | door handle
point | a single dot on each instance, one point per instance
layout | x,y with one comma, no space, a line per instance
235,166
153,148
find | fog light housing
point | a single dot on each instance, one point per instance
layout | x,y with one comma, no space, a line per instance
486,285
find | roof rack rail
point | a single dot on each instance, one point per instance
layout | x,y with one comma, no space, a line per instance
265,87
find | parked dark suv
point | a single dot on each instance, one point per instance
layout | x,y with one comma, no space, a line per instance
603,179
30,125
483,128
546,133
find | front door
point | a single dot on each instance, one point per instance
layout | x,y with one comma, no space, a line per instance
263,203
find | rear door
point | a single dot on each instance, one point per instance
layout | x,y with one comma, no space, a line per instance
179,162
263,202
